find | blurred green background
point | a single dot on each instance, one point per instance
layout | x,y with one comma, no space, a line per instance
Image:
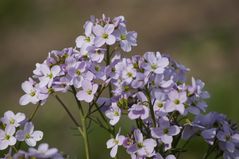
203,35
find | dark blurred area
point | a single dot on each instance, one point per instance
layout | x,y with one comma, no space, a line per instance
203,35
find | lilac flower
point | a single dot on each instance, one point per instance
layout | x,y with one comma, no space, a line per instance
159,101
7,138
33,94
88,39
48,75
155,62
76,72
13,119
104,35
142,147
129,74
140,80
29,135
127,39
96,54
176,101
228,139
138,111
87,94
113,113
165,132
114,143
43,151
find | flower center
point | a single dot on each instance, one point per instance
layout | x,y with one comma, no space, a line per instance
116,113
123,37
87,39
7,137
50,75
32,93
177,101
27,136
12,121
165,131
154,66
105,36
130,74
78,72
140,145
89,92
160,104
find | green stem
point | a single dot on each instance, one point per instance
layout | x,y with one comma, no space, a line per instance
110,86
83,129
150,106
34,112
67,111
85,136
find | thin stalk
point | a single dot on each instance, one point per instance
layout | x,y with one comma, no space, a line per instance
110,86
34,112
150,106
85,136
83,129
67,111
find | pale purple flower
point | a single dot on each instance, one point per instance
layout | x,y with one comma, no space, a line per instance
155,62
138,111
126,39
13,119
87,94
114,143
7,137
48,75
29,135
113,113
104,35
96,54
76,72
88,39
43,151
176,101
33,93
228,139
143,148
129,73
165,132
140,80
209,135
159,101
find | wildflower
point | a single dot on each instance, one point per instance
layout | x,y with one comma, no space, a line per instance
104,35
155,62
126,39
113,113
142,147
114,143
7,137
87,94
176,101
29,135
138,111
13,119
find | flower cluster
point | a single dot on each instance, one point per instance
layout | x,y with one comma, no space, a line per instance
217,131
16,129
150,90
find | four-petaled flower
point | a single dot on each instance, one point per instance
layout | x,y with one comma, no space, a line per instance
87,94
104,35
114,143
13,119
29,135
113,113
7,138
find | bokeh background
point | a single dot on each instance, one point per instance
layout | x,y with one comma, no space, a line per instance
203,35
